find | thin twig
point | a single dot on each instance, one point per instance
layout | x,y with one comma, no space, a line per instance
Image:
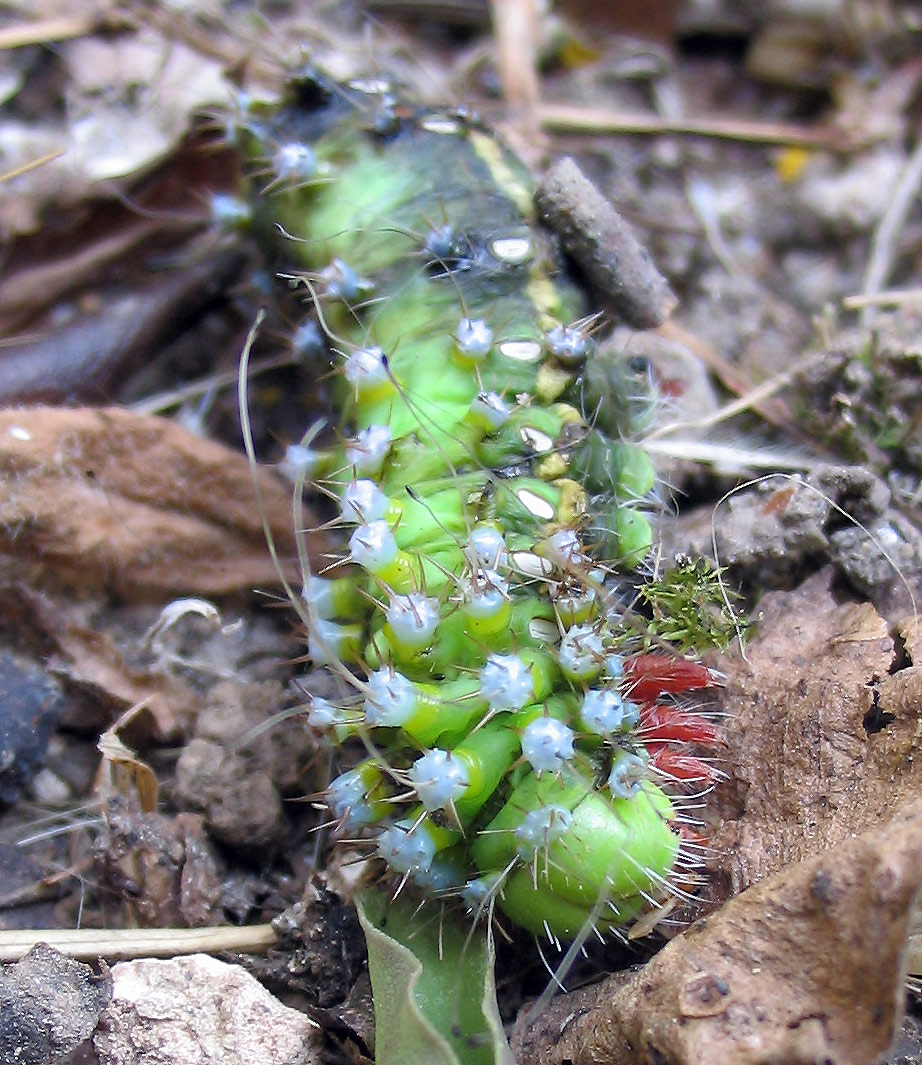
888,298
515,30
771,409
45,30
122,944
164,401
567,118
31,288
885,243
729,456
751,400
33,164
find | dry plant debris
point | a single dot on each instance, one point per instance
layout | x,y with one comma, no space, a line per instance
822,739
106,669
100,348
90,661
805,967
129,102
602,243
165,868
135,504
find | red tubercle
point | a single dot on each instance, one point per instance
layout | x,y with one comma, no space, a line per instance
684,768
648,676
672,723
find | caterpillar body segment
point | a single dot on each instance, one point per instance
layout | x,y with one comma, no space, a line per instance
519,753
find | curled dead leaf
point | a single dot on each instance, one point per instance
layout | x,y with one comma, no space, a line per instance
77,643
820,737
136,503
910,631
806,966
91,661
122,772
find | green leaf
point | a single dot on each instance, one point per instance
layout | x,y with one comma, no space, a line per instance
432,980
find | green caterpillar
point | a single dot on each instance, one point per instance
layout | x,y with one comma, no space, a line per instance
486,497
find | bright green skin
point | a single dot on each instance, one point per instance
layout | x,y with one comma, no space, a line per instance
372,208
607,855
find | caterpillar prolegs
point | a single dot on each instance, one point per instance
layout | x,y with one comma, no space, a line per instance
520,750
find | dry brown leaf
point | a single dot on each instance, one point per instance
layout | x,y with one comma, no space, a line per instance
911,634
130,99
136,503
122,772
91,660
806,967
820,736
59,633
